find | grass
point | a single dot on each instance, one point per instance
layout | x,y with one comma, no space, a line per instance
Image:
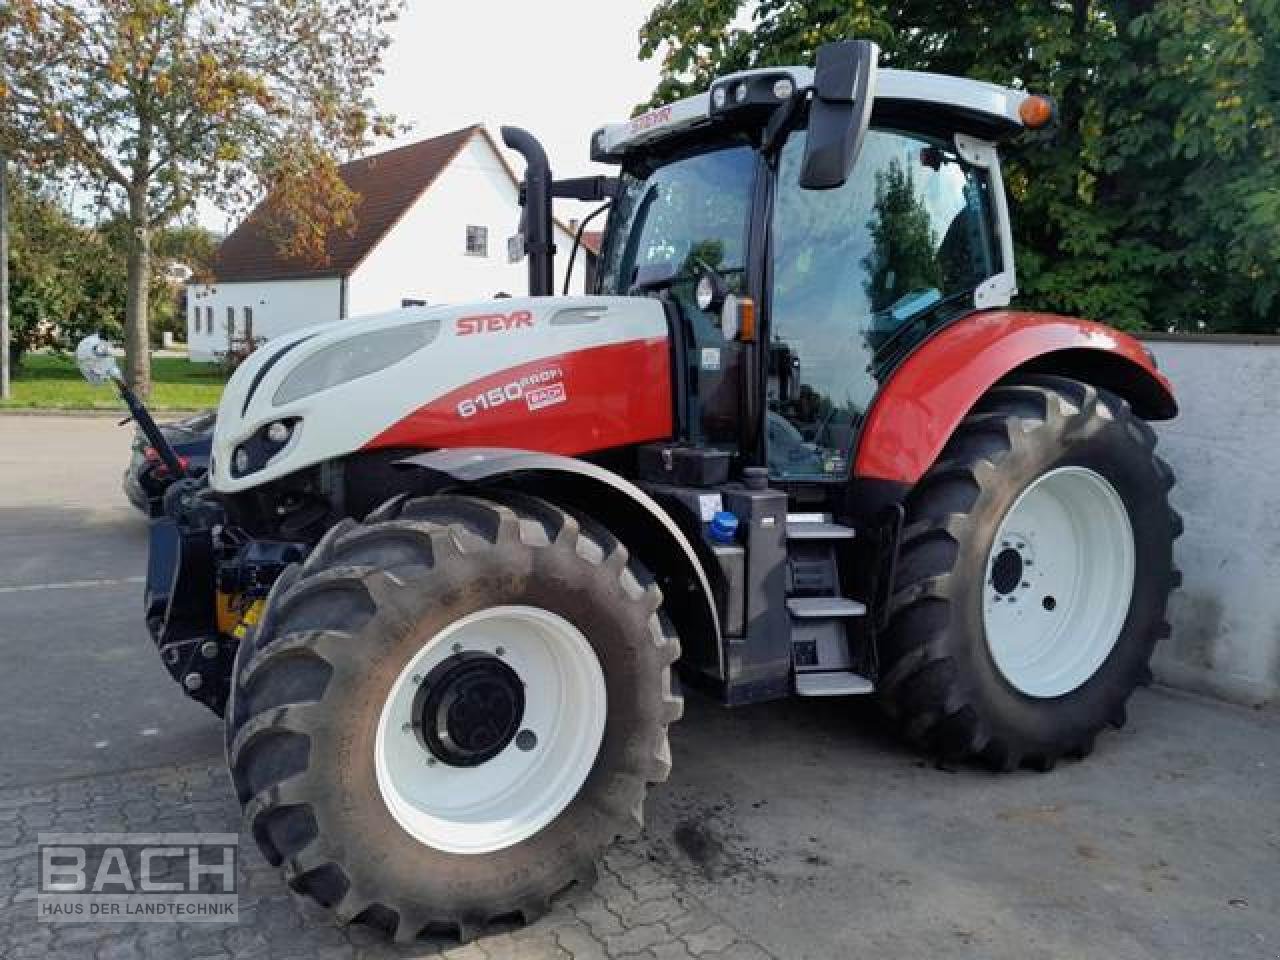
50,382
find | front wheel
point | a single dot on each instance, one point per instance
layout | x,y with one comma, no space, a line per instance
450,710
1035,566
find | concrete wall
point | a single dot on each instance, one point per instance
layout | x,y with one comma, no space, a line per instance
1225,449
424,256
278,306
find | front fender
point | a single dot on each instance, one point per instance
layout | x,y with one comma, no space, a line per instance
627,511
936,386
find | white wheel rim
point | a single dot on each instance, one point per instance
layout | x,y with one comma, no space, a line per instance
1059,579
509,798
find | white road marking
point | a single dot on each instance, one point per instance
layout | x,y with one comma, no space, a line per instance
73,585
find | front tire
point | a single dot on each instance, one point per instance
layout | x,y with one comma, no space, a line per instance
448,712
1035,566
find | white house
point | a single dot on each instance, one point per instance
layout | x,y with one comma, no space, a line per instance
432,225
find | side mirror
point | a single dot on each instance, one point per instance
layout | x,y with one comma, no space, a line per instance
95,360
843,93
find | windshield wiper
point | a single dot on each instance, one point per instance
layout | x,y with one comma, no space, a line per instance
887,352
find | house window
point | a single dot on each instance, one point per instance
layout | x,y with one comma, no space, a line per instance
208,319
477,241
248,324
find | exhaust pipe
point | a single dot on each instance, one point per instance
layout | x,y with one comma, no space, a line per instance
535,197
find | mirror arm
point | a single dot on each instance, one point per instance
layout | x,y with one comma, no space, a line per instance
783,121
147,424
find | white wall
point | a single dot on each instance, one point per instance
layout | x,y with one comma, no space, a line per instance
424,256
278,306
1224,448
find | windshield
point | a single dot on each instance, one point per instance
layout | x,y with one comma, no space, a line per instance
686,213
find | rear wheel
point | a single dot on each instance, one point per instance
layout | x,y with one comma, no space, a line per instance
1034,570
449,711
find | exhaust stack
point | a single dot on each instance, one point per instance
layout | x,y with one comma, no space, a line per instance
535,197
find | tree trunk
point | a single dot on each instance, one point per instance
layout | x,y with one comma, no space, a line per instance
137,341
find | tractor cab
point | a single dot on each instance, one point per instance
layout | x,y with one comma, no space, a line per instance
808,229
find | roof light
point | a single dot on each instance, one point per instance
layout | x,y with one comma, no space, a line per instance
740,93
783,88
1035,111
718,97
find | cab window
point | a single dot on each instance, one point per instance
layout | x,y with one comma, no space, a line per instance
860,275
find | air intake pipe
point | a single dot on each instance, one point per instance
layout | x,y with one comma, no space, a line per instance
535,197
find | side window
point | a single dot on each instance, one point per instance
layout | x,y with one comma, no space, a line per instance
477,241
860,274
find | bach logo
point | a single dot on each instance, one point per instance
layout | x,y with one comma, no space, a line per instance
494,322
138,877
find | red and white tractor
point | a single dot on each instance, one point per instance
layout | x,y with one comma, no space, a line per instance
448,562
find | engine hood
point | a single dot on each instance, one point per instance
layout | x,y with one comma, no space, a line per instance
559,374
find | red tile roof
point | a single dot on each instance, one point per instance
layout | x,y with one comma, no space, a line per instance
388,185
591,239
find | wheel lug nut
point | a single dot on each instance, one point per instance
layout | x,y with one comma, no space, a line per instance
526,740
501,651
457,648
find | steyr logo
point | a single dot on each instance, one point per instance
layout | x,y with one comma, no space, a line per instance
494,322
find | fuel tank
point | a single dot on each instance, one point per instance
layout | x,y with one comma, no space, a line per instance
566,375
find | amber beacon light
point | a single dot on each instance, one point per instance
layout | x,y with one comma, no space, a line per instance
1036,111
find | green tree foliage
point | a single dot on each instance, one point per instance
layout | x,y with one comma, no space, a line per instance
156,103
64,280
1156,201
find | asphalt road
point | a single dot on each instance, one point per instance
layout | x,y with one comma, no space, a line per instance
83,690
792,830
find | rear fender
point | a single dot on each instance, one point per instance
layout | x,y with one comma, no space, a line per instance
623,508
935,388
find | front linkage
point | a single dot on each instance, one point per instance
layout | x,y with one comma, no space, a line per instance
205,588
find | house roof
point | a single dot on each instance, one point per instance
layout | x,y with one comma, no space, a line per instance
388,184
592,239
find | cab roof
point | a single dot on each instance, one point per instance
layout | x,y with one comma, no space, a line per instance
981,109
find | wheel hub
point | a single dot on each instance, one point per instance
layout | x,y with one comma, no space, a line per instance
491,729
1059,581
469,708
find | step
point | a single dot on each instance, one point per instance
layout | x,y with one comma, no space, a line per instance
815,608
833,683
818,530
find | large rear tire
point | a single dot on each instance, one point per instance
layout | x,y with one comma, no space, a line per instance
1035,565
448,712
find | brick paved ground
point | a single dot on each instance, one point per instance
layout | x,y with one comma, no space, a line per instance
636,910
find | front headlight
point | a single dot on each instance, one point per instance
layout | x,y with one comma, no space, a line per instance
358,356
258,449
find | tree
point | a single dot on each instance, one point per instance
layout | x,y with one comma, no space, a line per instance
66,279
1154,204
156,103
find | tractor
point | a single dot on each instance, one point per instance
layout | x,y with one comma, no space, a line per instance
450,566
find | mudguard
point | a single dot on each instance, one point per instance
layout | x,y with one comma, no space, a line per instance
601,493
937,385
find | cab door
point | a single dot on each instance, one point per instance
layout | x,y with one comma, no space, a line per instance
860,275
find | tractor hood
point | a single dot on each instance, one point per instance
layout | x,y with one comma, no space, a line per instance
561,375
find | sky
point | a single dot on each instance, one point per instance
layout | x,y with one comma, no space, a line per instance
558,68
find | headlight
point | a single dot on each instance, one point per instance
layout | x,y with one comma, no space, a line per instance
358,356
257,451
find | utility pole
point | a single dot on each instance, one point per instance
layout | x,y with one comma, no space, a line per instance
4,278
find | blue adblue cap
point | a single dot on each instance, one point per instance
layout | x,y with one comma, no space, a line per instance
723,527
